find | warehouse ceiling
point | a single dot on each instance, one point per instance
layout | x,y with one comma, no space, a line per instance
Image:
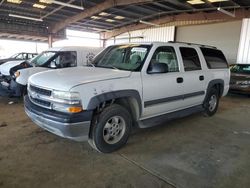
36,19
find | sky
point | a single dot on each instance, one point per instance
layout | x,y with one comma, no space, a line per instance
74,38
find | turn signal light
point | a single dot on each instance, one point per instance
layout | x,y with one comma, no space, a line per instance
75,109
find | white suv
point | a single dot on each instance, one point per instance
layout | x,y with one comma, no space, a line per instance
130,85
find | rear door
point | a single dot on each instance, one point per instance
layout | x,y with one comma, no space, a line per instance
194,78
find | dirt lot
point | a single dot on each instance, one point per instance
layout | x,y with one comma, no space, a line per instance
192,152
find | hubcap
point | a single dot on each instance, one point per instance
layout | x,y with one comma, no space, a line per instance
114,129
212,103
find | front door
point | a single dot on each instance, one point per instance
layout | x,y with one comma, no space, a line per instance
162,92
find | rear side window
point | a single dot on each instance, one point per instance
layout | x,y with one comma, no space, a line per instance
190,59
214,58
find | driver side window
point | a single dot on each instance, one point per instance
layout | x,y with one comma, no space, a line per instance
166,55
66,59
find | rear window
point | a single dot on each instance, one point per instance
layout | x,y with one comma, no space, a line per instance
214,58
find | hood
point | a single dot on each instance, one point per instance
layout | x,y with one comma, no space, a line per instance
65,79
27,72
5,68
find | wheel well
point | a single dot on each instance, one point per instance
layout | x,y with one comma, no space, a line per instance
219,87
129,103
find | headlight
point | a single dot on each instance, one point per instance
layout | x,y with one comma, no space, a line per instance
66,95
66,101
17,73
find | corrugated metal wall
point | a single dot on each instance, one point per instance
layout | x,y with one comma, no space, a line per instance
162,34
244,47
225,36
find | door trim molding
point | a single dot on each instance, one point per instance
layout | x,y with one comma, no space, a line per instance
174,98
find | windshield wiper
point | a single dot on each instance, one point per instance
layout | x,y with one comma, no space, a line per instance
108,67
113,67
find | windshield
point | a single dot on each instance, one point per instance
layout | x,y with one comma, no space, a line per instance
245,69
42,58
14,56
124,57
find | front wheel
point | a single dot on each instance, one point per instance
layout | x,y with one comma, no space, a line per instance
111,129
211,103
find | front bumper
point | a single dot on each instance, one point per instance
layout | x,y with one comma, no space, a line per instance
5,81
241,89
14,88
72,126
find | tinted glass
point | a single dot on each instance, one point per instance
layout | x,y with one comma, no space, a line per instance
190,59
215,58
125,57
167,55
66,59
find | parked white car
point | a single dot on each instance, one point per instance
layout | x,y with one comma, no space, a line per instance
19,57
130,85
16,75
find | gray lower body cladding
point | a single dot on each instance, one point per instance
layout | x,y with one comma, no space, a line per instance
72,126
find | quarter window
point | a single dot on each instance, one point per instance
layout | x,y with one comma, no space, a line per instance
190,59
167,55
214,58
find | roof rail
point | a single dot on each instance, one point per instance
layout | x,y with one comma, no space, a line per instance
189,43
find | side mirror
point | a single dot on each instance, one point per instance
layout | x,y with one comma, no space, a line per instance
156,68
52,65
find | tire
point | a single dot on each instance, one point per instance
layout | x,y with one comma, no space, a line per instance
111,129
24,91
211,103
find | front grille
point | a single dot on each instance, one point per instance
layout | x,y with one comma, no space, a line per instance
40,102
40,96
40,90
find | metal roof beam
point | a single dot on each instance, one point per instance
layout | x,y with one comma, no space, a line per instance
240,13
163,6
55,10
208,3
179,4
1,2
126,12
94,10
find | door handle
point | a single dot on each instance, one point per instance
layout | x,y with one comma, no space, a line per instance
179,80
201,77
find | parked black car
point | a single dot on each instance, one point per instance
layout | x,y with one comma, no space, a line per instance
18,56
240,79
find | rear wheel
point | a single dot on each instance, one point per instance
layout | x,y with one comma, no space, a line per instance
110,130
211,103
